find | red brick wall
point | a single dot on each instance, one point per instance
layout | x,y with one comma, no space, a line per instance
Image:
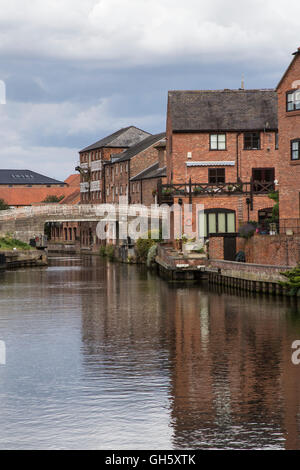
137,164
289,129
216,248
116,181
198,144
278,250
232,202
144,194
96,197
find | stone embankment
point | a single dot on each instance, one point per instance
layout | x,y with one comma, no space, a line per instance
19,259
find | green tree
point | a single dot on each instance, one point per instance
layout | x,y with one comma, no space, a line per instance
3,205
275,212
53,199
293,281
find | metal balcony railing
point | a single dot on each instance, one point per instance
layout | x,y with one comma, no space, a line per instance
166,192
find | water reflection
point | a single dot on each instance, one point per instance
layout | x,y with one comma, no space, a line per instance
109,356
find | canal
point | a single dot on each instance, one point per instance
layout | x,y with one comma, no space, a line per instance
101,355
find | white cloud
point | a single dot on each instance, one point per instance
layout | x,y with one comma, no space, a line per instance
149,31
24,125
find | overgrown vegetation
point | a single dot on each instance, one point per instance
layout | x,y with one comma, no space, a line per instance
102,251
293,281
107,251
275,212
3,205
9,243
144,244
52,199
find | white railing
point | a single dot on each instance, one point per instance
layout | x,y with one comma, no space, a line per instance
95,186
65,210
96,165
84,187
84,165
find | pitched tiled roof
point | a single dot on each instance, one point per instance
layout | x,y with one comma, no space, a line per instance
73,180
226,110
141,146
125,137
296,55
152,171
16,177
25,196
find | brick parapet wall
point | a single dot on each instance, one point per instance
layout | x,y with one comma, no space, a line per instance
278,250
251,272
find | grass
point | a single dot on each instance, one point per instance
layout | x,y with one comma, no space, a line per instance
9,243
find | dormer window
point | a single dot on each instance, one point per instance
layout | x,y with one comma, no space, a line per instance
293,100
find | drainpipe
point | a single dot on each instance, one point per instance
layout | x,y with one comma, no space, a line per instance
129,189
237,156
103,193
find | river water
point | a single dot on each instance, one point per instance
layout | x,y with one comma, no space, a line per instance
102,355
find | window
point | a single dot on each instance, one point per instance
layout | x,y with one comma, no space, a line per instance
295,149
293,100
251,141
218,142
263,179
216,175
276,141
219,221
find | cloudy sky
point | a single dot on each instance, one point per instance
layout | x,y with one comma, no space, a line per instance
77,70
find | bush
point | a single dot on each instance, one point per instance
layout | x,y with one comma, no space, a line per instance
293,281
142,248
110,252
52,199
102,251
3,205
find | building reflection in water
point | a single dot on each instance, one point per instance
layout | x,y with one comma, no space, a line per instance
222,361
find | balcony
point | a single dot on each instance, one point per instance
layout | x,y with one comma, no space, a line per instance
167,192
96,165
84,187
83,166
95,186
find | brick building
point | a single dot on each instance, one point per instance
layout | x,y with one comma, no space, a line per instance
26,188
222,151
288,91
92,159
144,186
120,171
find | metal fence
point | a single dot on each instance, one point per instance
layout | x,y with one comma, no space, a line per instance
289,226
